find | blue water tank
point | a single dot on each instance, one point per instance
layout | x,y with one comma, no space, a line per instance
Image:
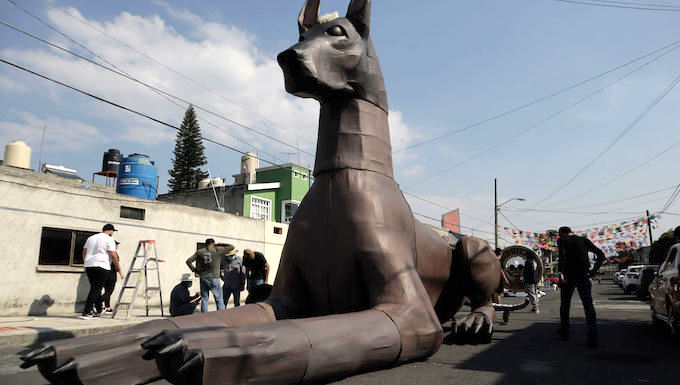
137,176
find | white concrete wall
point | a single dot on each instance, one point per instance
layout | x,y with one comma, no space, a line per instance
27,204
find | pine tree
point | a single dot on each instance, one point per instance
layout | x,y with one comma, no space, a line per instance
188,155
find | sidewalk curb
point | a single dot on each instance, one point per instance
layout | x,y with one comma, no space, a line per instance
28,336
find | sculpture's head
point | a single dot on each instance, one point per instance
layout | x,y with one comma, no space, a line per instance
334,57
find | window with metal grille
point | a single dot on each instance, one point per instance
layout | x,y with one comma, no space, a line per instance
132,213
62,247
260,208
288,209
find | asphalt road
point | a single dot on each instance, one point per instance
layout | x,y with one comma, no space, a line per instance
525,351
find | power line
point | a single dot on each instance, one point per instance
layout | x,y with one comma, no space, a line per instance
213,91
548,118
671,199
619,176
167,96
620,200
124,107
649,8
157,90
615,141
515,109
563,220
506,218
517,209
444,207
637,4
162,122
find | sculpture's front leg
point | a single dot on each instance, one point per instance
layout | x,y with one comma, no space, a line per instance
282,352
475,274
95,359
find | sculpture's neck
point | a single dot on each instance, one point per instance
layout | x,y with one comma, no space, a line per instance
353,133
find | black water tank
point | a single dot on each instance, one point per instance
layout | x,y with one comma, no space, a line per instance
111,160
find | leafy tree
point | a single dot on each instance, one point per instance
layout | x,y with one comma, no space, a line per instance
188,155
660,247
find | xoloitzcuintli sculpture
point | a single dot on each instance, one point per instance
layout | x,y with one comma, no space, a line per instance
361,285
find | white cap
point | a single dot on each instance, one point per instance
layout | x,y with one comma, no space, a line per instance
186,277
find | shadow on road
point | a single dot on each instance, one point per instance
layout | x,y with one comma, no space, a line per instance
629,353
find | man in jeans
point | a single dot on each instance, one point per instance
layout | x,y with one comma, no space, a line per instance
530,281
99,254
208,269
574,266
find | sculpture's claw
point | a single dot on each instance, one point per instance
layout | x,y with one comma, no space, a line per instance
476,328
159,341
41,354
192,370
67,367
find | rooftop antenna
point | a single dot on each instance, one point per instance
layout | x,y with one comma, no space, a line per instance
42,141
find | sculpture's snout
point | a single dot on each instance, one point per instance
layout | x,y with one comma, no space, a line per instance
298,71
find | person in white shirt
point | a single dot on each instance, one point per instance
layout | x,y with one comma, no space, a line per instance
98,254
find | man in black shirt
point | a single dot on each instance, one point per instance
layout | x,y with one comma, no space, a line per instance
181,303
574,266
257,268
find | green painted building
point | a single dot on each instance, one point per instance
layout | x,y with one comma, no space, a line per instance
277,192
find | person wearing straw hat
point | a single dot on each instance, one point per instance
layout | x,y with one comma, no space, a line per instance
181,302
233,275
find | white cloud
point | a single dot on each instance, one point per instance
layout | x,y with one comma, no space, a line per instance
223,59
415,170
60,134
11,85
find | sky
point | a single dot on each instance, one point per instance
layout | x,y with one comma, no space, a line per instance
447,66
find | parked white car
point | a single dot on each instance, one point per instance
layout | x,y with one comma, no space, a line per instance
618,277
631,279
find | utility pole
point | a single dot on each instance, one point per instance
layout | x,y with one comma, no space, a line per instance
495,212
649,226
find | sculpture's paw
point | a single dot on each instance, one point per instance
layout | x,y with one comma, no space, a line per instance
88,359
269,353
476,328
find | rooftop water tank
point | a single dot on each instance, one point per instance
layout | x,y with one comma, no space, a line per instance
204,183
137,176
218,182
249,163
111,160
18,154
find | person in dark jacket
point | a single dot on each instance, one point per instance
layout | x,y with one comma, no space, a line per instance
531,279
233,275
574,266
181,302
257,268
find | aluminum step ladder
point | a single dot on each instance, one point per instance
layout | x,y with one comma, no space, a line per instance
140,266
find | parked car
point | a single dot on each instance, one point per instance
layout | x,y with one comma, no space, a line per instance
553,278
618,277
646,277
664,293
631,279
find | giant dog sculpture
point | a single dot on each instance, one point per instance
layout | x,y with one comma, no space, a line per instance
361,285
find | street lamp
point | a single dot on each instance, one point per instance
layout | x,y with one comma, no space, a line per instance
497,208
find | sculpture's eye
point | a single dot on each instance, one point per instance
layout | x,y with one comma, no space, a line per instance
336,30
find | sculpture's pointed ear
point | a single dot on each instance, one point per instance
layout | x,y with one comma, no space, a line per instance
309,15
359,13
